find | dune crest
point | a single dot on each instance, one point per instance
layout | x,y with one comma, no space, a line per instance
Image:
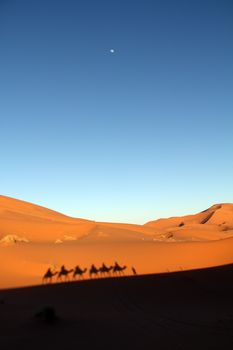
213,223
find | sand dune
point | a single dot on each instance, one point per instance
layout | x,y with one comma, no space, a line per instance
215,222
28,234
219,214
37,223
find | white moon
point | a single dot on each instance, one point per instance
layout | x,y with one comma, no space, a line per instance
112,50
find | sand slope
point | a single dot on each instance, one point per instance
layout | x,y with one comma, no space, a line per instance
37,223
25,264
215,222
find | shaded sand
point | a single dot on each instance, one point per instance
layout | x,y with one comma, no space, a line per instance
184,310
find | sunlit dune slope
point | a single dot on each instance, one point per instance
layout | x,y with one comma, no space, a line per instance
219,214
215,222
25,264
26,222
118,232
36,223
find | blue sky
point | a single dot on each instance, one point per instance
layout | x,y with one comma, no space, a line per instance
142,133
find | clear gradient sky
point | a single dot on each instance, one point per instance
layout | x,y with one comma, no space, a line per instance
141,133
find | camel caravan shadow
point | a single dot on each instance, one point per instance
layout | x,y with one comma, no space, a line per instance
77,273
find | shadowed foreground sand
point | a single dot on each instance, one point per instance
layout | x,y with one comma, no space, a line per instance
182,310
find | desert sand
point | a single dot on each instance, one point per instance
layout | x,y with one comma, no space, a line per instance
181,297
33,238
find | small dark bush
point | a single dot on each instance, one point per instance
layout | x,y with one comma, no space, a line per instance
47,315
181,224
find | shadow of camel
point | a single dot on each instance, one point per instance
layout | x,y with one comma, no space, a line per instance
93,271
79,272
105,270
64,272
47,278
118,270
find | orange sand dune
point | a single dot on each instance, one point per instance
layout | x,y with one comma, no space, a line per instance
218,214
37,223
213,223
28,234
